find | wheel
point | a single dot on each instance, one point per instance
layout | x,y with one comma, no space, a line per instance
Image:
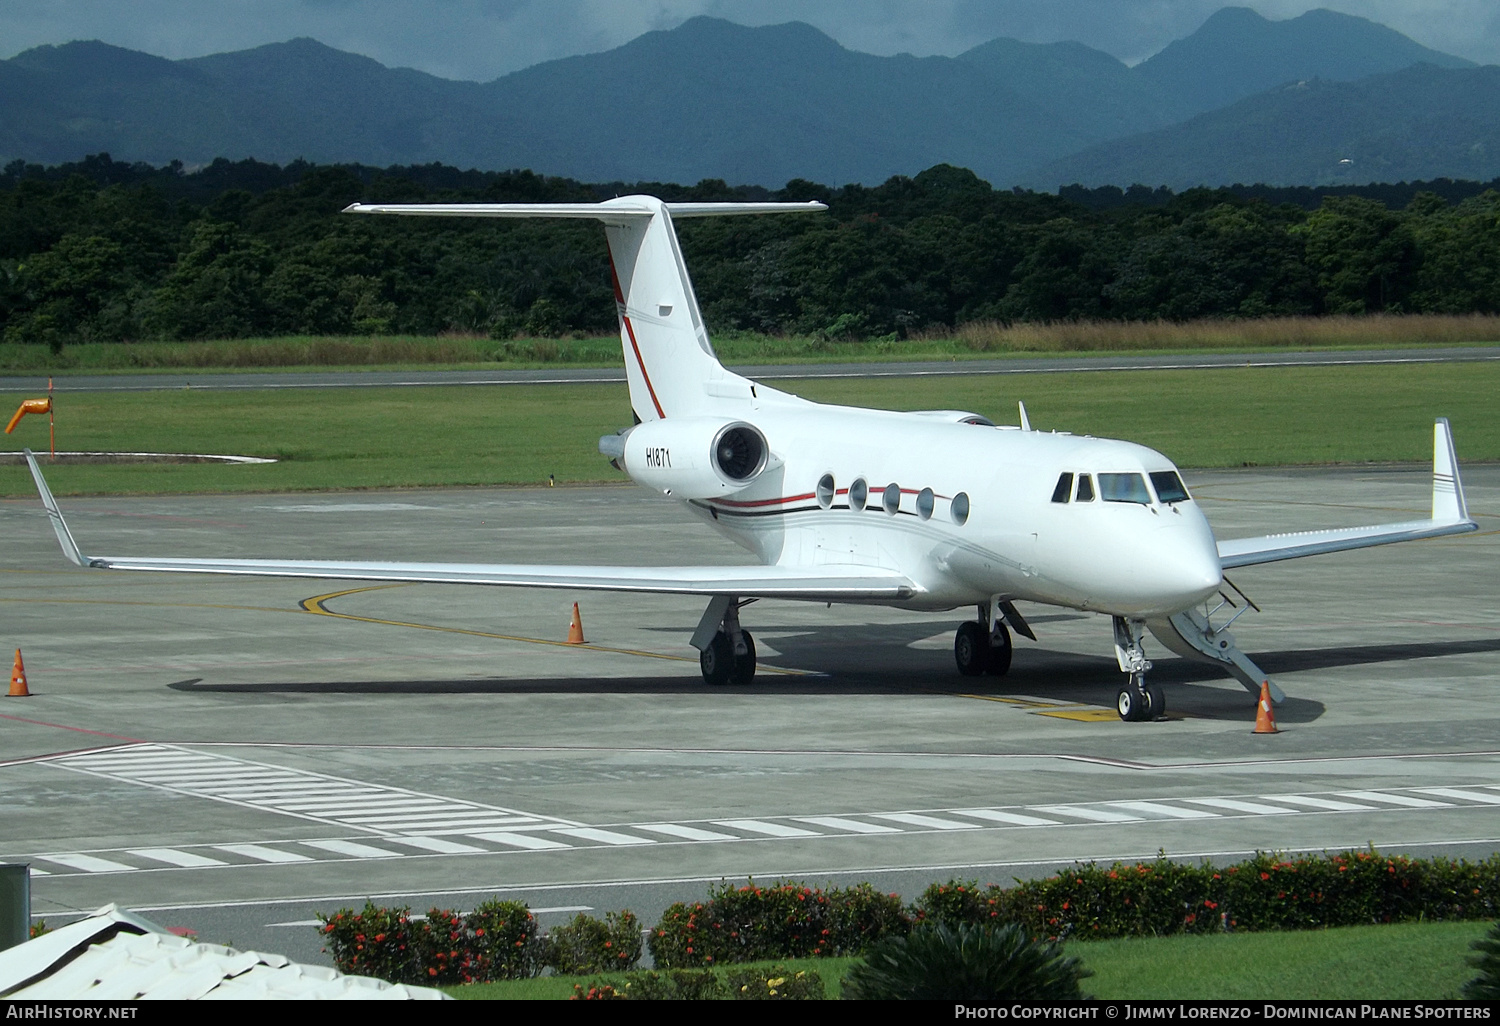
999,663
742,670
1156,702
717,660
971,649
1131,704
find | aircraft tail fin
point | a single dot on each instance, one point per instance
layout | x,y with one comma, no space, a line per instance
1447,487
669,361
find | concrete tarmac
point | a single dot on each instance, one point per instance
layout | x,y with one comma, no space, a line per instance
232,754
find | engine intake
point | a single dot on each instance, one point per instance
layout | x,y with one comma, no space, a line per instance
695,457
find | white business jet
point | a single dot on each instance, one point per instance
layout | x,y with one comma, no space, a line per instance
928,510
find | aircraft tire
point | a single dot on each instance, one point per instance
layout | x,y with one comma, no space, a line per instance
1156,702
742,668
971,649
999,661
1130,704
717,661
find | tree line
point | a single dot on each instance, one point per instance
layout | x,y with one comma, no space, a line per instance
103,250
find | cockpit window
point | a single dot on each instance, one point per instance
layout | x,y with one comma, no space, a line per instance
1064,488
1169,486
1124,488
1085,489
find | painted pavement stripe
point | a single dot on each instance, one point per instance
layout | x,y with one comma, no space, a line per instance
686,832
755,826
438,845
931,822
262,853
852,826
1397,799
1171,811
1096,815
1461,794
603,836
1012,818
89,863
1236,805
1326,804
361,851
520,840
173,857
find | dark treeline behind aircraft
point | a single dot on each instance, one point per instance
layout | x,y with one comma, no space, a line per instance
110,251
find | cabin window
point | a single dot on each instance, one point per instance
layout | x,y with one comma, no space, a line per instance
1085,489
925,503
859,492
1064,488
825,491
891,500
959,508
1169,487
1124,488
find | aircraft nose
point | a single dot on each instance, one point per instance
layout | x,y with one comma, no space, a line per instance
1181,565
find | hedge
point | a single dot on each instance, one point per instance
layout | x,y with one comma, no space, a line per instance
755,922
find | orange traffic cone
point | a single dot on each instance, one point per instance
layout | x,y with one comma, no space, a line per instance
1265,720
18,688
575,629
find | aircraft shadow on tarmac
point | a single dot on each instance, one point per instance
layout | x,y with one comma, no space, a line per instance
866,659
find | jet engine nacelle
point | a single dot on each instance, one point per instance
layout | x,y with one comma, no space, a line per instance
696,457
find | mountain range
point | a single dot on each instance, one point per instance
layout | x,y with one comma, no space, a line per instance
1320,98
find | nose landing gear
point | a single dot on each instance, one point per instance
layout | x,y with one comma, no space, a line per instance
1136,700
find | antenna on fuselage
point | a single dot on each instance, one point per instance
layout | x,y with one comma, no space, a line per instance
1025,421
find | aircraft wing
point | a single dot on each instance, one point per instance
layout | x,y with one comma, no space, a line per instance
1450,515
818,583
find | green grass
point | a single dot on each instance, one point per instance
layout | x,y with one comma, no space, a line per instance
1411,961
1399,961
519,434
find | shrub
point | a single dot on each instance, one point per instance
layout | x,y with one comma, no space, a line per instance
969,962
373,942
773,984
757,923
496,941
588,945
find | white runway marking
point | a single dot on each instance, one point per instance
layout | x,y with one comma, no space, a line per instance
395,823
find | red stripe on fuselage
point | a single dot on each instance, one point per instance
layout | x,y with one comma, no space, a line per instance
761,502
630,333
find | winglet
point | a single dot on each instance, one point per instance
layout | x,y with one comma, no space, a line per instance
59,525
1447,488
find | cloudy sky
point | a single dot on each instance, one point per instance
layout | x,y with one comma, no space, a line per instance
483,39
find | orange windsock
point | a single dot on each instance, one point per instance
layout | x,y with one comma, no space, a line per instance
1265,719
18,688
575,629
29,406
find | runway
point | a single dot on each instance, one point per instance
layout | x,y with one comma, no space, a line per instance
236,755
564,375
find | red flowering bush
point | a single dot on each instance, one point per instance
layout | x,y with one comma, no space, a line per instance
496,941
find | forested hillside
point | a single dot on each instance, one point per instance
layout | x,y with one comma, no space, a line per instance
105,251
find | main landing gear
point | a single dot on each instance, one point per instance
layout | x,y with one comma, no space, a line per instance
726,651
1136,700
982,646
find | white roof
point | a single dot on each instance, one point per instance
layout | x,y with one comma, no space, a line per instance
114,955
